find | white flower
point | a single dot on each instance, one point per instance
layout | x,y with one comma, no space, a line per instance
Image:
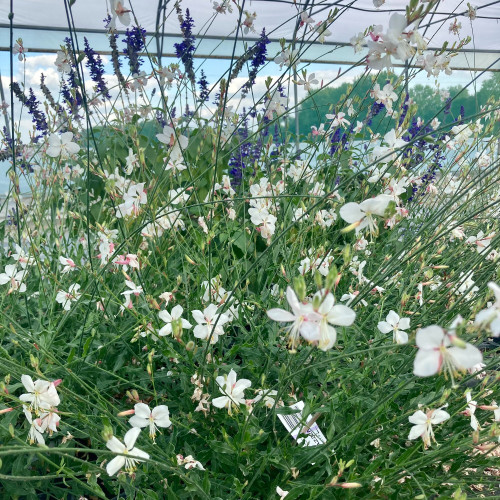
14,277
382,153
63,62
305,321
384,96
471,409
118,11
209,323
144,417
267,396
168,318
276,104
423,423
37,427
65,298
357,41
41,395
323,31
233,391
19,49
338,119
49,420
132,201
130,454
189,462
360,215
332,314
281,493
69,264
248,22
436,353
285,58
23,257
131,160
491,315
62,145
397,325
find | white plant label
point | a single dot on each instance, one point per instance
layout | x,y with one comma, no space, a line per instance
294,423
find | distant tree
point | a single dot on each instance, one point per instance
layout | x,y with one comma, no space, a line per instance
430,104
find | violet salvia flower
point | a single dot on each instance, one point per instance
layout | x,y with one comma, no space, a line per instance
259,52
186,48
404,111
135,43
72,97
31,102
96,68
204,91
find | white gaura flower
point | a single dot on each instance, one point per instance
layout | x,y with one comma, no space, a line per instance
118,11
50,420
68,264
491,315
383,154
14,277
393,323
65,298
189,462
423,422
41,395
175,140
62,145
436,353
332,314
305,321
130,454
360,215
282,493
268,396
209,323
337,120
23,257
169,318
37,427
471,409
233,391
144,417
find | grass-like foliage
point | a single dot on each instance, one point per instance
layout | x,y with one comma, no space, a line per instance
184,269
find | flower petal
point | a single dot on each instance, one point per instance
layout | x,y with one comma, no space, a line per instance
131,437
115,465
280,315
427,363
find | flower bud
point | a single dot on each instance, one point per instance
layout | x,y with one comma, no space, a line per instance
346,254
331,277
318,279
190,346
316,302
177,327
107,433
457,342
125,413
350,485
300,287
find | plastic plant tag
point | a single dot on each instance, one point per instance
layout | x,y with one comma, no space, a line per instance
294,424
